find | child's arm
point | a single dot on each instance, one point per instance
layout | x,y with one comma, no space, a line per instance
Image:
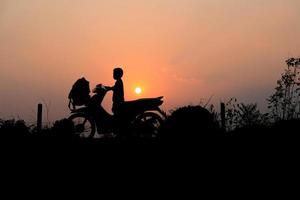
110,88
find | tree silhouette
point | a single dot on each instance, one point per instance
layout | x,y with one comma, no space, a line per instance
284,104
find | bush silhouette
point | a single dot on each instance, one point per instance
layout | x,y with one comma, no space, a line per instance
287,128
190,122
13,128
255,131
63,128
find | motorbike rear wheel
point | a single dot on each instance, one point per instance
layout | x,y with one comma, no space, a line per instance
148,125
83,124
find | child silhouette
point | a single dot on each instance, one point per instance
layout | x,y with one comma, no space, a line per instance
118,90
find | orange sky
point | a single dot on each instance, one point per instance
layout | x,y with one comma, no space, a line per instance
186,50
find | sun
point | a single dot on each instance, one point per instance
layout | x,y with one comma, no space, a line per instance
138,90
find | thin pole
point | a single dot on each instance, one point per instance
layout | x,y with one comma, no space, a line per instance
39,117
223,120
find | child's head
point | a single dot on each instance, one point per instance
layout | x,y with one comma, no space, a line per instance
118,73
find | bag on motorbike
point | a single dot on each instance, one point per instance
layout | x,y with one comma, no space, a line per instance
80,93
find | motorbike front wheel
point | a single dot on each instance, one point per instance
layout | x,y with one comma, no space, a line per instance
83,124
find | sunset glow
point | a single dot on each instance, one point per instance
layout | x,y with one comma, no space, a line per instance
184,50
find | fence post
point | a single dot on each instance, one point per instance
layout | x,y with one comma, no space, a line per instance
223,120
39,117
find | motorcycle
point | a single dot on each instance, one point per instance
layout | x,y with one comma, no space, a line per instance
141,118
